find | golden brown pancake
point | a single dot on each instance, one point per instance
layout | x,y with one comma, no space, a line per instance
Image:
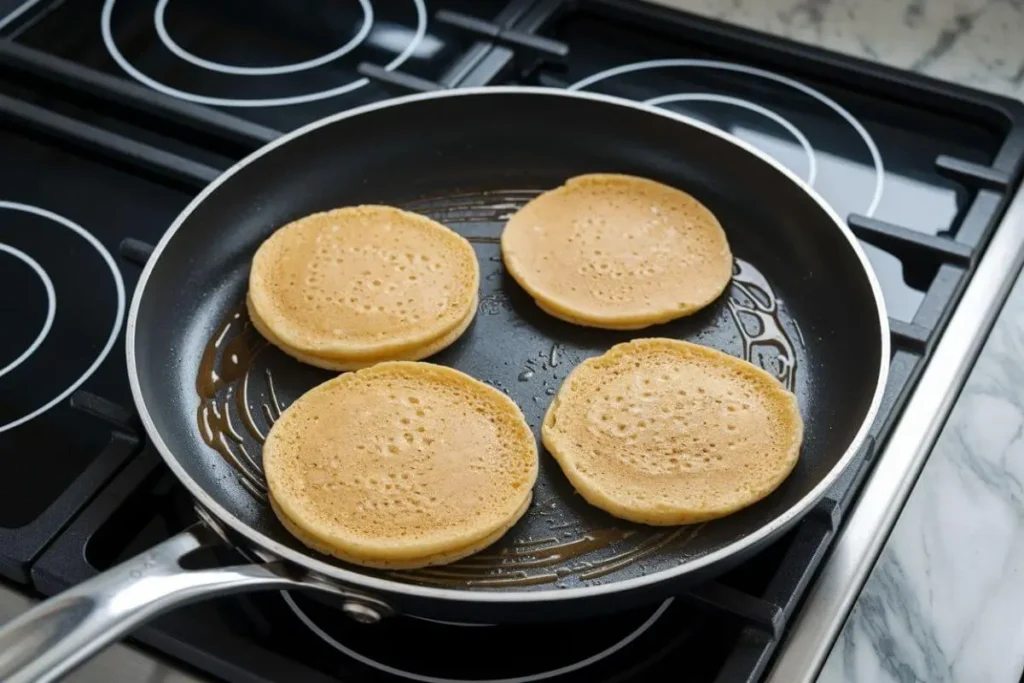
661,431
400,465
430,561
362,284
419,353
617,251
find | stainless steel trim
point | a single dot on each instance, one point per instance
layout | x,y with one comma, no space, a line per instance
374,584
820,620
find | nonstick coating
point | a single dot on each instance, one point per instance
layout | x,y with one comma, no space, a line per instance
470,159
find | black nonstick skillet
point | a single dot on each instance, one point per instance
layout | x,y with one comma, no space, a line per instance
803,304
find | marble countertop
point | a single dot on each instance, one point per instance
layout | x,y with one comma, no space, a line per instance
972,42
945,601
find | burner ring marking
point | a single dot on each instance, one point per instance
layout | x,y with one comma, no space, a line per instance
115,53
51,306
118,318
173,46
812,160
876,156
529,678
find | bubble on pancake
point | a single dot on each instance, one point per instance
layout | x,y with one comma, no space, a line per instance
362,281
617,251
401,461
379,290
667,432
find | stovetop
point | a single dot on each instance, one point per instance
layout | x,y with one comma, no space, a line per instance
114,114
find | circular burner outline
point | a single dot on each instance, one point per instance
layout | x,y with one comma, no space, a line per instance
812,159
118,318
169,42
529,678
108,40
876,157
51,306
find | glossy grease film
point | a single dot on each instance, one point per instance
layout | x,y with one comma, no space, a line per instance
561,541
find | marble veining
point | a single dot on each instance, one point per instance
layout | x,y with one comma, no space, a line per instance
972,42
945,602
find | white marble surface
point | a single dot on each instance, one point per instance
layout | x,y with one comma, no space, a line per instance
946,600
974,42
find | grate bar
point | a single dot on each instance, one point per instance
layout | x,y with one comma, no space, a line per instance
200,119
827,510
807,550
537,45
135,251
398,79
910,336
972,174
722,598
897,238
109,144
117,416
750,657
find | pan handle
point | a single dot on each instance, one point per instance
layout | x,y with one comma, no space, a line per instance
57,635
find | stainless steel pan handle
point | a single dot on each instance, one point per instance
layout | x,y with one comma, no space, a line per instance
57,635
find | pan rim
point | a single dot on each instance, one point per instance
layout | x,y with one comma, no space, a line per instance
386,586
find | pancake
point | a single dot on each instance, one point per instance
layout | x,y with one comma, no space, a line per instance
362,284
577,321
617,251
420,353
663,432
400,465
430,561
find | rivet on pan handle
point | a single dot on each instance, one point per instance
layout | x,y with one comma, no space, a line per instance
61,633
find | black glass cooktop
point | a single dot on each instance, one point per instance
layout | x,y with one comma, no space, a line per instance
113,114
63,297
278,64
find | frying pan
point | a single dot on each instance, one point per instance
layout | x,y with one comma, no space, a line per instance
804,304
